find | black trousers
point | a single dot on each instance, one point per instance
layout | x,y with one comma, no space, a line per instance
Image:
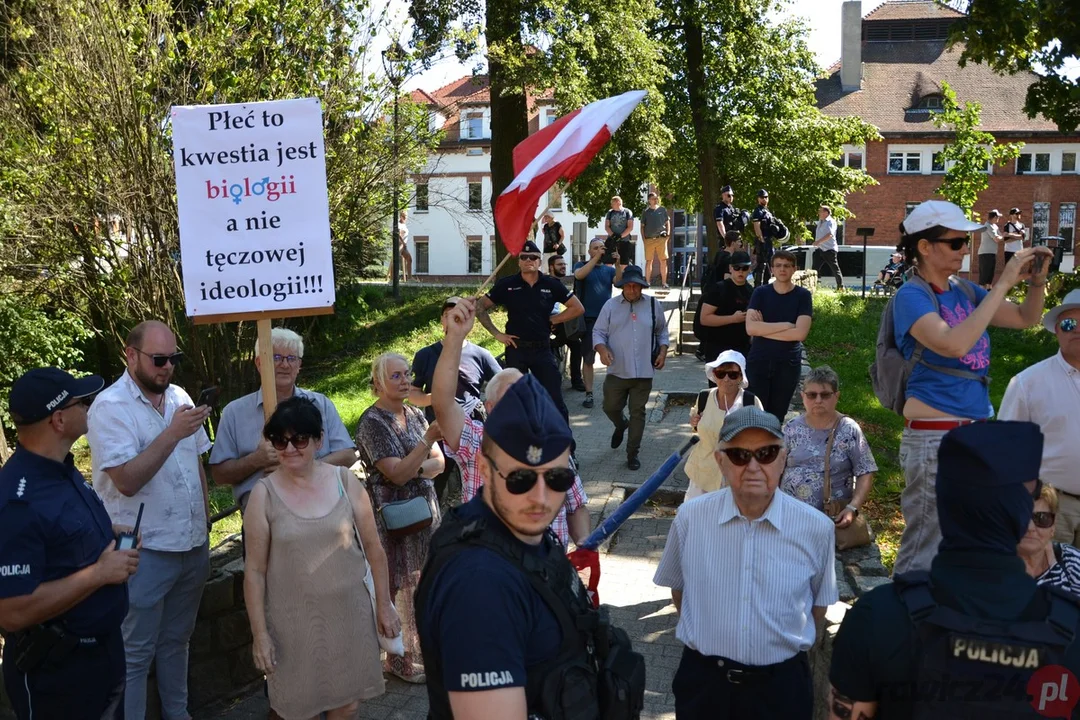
987,266
574,348
831,264
541,363
626,250
764,251
88,684
712,688
774,382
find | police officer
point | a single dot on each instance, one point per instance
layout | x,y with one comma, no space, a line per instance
506,628
62,581
763,237
726,216
529,298
968,638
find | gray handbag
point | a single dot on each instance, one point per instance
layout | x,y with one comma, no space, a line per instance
406,517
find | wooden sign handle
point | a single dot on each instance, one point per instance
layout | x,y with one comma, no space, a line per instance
266,368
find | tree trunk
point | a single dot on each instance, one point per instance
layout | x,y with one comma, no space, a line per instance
509,109
706,149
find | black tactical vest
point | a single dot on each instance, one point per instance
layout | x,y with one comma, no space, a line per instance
577,682
968,667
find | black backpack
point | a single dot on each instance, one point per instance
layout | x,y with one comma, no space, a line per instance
890,371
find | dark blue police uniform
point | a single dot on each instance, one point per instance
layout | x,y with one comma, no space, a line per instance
52,524
528,310
763,250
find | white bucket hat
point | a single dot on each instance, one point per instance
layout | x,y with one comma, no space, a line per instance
728,356
1071,302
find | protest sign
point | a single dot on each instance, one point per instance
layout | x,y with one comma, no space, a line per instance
253,209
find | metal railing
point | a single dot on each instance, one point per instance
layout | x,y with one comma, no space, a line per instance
684,298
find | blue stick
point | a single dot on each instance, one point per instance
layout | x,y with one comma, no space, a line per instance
607,528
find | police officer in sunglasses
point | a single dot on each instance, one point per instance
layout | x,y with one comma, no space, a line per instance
501,612
751,572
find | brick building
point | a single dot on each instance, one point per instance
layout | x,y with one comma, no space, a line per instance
893,63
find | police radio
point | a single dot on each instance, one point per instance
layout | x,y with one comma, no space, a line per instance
128,541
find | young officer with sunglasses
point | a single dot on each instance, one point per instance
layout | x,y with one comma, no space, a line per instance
751,572
949,386
146,440
1048,394
506,628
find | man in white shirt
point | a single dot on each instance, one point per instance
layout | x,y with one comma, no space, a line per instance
825,241
751,572
145,441
1048,393
1015,233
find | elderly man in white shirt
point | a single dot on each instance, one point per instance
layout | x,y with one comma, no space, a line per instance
1048,393
751,572
145,441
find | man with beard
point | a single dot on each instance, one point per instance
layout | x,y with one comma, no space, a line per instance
503,618
145,440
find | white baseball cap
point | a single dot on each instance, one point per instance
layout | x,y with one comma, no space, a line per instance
938,213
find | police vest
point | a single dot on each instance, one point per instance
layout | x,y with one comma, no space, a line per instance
595,673
968,667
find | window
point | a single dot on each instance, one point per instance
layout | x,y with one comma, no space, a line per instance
1033,163
854,160
420,261
474,152
474,124
930,102
937,163
908,207
905,162
1040,221
1067,224
421,203
554,197
493,254
476,254
1068,162
476,198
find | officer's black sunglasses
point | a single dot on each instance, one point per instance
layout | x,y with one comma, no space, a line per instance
161,360
519,482
84,401
528,257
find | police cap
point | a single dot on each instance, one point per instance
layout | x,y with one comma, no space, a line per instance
530,247
527,426
42,391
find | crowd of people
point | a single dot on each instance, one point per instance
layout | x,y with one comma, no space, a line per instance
448,553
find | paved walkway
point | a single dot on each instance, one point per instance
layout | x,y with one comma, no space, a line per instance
626,586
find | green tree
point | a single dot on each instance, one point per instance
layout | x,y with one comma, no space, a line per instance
740,105
1027,36
971,152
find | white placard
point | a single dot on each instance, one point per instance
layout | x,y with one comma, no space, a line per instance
253,208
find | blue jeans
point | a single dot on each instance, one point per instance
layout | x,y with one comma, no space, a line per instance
164,598
918,502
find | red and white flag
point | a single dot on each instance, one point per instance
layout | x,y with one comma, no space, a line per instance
559,151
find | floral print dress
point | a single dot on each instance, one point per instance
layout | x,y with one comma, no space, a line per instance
804,477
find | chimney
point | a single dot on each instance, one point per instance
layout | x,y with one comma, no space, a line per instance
851,46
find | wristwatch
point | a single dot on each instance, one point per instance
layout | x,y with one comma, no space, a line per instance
852,508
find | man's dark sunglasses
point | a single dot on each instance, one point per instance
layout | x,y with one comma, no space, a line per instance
298,441
740,267
84,401
161,360
1044,520
519,482
741,456
729,374
954,243
1068,325
527,257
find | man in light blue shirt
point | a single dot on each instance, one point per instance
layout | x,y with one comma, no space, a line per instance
631,337
825,241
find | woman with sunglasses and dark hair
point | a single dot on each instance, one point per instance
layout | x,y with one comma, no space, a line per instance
1050,563
310,536
402,456
949,386
807,437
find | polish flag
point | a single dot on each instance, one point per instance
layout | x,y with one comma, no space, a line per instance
559,151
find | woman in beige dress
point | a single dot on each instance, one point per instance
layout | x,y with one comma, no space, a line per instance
310,534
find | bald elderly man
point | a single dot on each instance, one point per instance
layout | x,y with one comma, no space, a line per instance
145,440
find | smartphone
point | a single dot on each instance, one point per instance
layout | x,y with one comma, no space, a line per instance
209,396
1037,266
128,541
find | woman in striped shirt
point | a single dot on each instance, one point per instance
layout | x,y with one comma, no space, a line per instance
1050,563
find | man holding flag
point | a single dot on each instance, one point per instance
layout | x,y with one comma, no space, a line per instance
529,297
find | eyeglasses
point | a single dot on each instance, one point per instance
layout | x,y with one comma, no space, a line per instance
287,359
529,258
519,482
953,243
825,395
729,374
298,441
1043,520
740,267
84,401
161,360
1068,325
741,456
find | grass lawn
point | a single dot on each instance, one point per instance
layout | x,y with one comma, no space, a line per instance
338,354
844,336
